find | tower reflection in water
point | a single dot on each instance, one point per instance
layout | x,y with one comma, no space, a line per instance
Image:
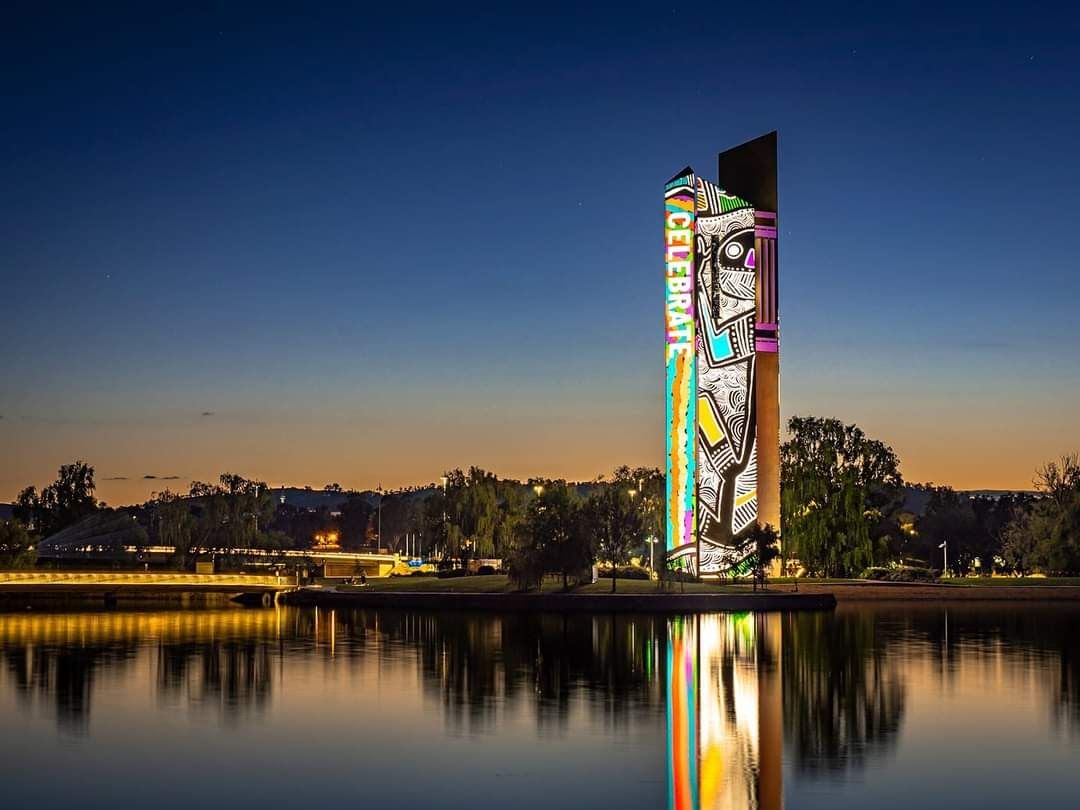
724,715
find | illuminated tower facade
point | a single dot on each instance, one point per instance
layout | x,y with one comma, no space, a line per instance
722,354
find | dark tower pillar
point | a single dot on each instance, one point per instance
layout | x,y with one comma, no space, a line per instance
749,171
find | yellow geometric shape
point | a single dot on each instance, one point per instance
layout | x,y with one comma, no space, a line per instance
749,496
707,421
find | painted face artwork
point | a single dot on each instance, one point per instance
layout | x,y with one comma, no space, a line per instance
718,316
726,284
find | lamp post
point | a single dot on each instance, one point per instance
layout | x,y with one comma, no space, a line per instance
945,545
633,494
445,480
652,541
378,537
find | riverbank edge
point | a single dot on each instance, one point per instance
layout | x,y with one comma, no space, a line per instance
886,592
563,602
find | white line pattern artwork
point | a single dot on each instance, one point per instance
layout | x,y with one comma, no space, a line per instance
726,286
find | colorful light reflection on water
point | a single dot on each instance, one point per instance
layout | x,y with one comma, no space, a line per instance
964,706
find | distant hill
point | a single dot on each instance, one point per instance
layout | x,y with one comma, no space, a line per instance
7,511
316,499
996,493
304,498
916,498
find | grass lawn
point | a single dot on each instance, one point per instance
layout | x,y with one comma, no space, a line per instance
495,583
1011,581
957,581
499,583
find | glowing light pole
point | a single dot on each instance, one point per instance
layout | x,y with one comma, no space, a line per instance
378,540
652,541
445,481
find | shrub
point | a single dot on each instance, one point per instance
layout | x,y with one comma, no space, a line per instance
422,574
486,570
626,572
677,575
913,575
906,573
525,567
453,573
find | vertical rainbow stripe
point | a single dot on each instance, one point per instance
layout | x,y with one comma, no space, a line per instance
681,411
682,714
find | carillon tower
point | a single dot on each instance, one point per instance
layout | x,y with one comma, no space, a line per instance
722,332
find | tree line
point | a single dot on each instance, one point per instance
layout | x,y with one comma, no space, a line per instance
845,508
538,527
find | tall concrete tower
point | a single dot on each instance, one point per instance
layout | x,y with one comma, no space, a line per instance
722,355
749,170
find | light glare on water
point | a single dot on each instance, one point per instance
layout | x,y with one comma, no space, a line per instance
886,707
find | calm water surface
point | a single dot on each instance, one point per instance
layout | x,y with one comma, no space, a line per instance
959,707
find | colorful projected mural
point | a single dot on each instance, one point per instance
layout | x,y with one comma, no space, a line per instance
679,211
722,354
724,712
726,281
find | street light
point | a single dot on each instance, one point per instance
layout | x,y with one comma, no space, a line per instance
378,540
445,480
538,489
652,541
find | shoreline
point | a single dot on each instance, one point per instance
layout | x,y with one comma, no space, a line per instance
768,601
876,592
20,591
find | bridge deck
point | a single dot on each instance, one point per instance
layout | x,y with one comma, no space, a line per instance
95,582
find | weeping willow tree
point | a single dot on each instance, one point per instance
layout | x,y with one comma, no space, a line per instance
475,513
834,483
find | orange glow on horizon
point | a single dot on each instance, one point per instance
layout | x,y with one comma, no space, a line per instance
577,442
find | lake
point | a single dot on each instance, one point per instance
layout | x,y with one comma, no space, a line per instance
942,706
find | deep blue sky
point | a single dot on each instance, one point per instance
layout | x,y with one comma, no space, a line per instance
372,244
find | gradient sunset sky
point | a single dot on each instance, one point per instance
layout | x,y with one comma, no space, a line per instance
310,245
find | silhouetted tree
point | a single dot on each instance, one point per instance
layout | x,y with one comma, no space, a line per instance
173,524
555,522
766,545
355,521
615,523
63,503
649,486
835,483
16,545
1044,533
950,517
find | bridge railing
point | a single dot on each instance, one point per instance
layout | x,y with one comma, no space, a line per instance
139,578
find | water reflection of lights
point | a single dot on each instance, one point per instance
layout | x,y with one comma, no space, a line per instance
723,711
88,628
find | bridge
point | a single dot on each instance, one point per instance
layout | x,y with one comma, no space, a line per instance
19,586
108,537
333,563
